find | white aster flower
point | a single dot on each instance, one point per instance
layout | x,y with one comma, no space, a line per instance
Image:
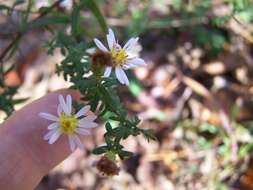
122,57
68,123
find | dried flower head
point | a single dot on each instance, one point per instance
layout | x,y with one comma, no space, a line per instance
100,59
107,166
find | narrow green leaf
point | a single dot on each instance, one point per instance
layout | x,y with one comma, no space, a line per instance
42,22
18,2
75,20
18,101
135,88
92,5
4,7
149,134
100,150
125,154
108,140
108,127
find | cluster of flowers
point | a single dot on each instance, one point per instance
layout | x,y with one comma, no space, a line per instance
75,124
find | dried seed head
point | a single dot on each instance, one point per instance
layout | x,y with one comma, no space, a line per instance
107,166
101,58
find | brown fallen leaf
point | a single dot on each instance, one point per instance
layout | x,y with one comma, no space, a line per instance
197,87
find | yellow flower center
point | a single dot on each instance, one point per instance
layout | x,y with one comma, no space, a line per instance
68,124
119,56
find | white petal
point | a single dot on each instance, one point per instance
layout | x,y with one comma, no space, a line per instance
137,62
109,41
128,66
54,136
69,103
82,111
63,105
90,117
48,116
72,143
110,38
134,63
82,131
87,124
108,71
52,126
130,43
121,76
59,110
100,45
49,134
78,142
91,50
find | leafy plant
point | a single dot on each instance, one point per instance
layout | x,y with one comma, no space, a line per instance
101,93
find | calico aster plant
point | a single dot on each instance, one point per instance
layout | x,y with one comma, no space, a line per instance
90,74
